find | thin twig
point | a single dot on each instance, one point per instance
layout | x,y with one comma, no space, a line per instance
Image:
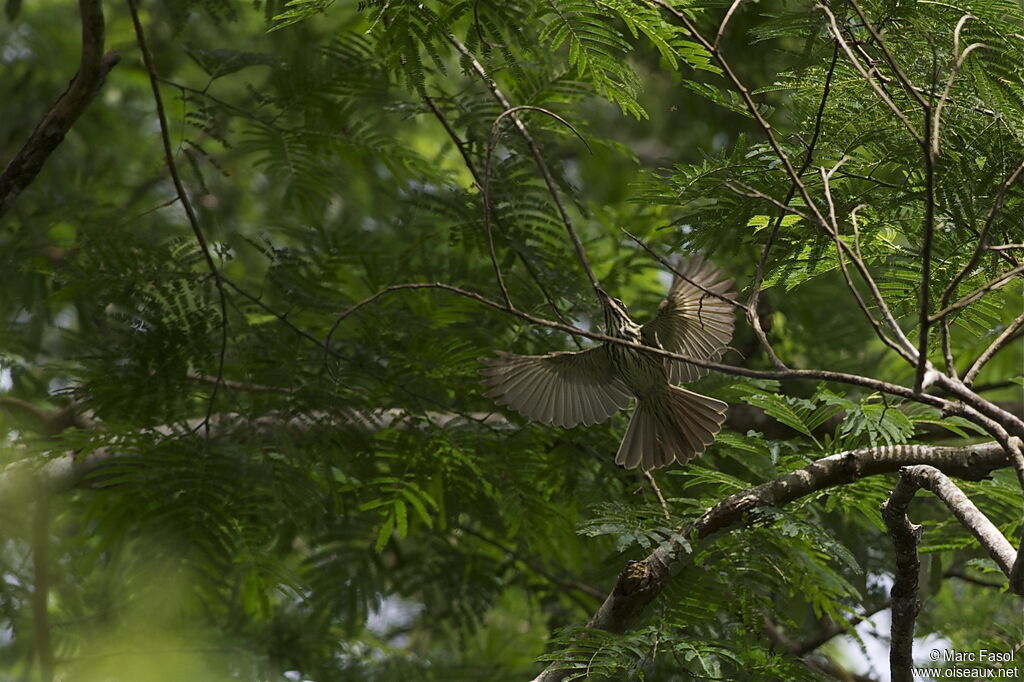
787,165
675,271
879,90
791,374
661,498
725,21
997,344
478,180
485,183
538,158
484,193
944,97
893,64
745,190
982,243
978,293
193,219
861,303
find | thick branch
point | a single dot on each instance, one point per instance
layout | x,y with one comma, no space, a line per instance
641,582
50,132
905,538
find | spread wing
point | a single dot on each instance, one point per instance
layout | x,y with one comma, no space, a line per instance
691,321
564,389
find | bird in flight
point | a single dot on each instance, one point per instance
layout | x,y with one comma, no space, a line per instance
670,423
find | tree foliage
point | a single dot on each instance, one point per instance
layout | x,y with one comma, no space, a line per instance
237,447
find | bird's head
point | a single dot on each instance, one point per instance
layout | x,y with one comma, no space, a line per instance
616,317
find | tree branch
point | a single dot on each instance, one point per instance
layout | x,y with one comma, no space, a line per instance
49,133
789,374
641,582
538,158
193,219
1007,335
490,214
905,538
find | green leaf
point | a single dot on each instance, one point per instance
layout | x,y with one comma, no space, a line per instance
384,534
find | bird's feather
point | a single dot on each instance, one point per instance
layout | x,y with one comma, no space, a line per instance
693,320
564,389
672,427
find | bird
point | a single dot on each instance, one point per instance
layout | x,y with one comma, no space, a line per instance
670,423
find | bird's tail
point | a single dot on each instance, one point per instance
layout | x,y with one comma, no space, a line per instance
675,426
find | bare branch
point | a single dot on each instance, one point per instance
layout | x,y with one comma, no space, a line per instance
893,64
485,183
944,97
50,131
744,190
478,179
790,374
725,21
668,265
856,257
657,492
483,193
